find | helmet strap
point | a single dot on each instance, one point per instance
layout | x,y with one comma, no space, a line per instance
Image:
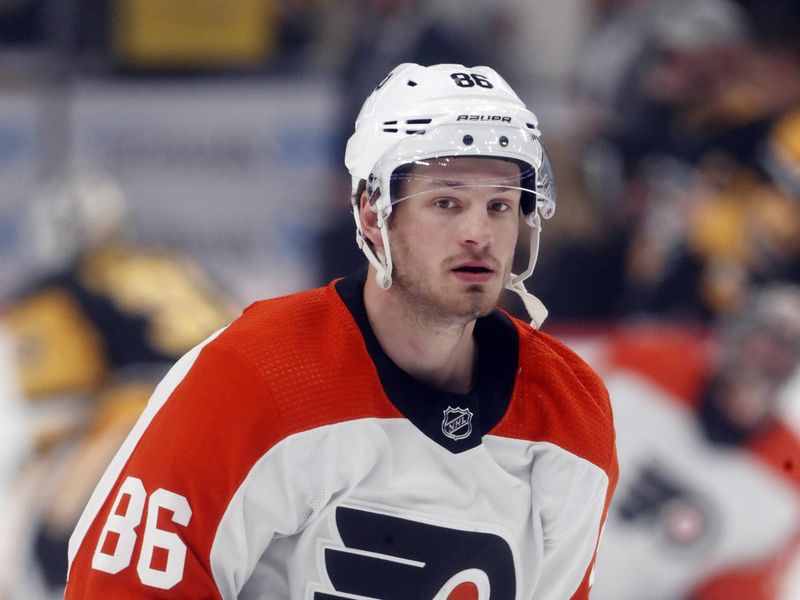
535,223
536,309
381,261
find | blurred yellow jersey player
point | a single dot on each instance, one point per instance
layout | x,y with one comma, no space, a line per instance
91,338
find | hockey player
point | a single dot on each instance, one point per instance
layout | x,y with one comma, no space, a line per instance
708,504
394,437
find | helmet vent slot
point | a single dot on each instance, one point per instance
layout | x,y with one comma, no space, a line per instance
418,121
390,130
411,83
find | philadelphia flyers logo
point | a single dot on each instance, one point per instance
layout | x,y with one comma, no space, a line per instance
386,557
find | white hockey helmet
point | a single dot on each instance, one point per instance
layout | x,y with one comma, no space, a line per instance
441,112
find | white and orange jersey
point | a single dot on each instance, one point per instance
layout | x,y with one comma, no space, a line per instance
288,457
691,519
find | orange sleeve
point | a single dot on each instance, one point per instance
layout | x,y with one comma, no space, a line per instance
152,535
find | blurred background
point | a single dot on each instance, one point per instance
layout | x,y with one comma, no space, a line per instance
163,163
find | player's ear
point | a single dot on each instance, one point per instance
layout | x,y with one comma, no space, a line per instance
369,221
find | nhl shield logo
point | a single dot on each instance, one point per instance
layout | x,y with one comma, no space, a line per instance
457,423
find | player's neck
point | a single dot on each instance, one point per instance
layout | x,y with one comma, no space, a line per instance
438,354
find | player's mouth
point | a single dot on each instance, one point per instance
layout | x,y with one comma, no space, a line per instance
473,272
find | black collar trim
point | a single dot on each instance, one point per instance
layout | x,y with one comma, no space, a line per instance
455,421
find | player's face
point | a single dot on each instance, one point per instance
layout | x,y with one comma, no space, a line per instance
452,245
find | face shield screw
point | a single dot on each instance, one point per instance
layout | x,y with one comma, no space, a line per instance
468,140
503,141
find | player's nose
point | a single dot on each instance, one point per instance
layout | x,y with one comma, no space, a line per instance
475,227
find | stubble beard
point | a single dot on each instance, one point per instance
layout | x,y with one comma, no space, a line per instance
417,288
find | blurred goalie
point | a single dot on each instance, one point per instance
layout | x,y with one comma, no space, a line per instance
89,337
708,505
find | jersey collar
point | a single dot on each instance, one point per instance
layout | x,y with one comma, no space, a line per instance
457,422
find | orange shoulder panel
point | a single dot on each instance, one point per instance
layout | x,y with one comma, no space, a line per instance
311,352
560,399
779,448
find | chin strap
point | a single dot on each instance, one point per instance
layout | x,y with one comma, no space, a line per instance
536,309
534,306
382,261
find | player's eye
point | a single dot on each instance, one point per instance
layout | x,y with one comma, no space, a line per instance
444,203
499,206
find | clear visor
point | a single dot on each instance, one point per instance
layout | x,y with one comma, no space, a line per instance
507,160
